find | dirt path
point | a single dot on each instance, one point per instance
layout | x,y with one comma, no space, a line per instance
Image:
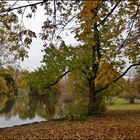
114,125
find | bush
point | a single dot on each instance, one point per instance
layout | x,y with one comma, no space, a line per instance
75,110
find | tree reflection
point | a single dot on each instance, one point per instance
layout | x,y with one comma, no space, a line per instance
3,100
8,106
27,107
43,107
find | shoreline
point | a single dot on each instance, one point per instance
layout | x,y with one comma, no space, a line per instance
114,124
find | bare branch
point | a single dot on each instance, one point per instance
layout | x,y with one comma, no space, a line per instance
15,3
67,23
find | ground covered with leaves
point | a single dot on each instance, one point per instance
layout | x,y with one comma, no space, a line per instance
112,125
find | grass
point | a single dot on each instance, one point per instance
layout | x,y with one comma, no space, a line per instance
122,104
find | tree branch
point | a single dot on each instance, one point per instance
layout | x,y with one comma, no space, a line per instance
84,72
119,85
132,24
104,20
67,23
133,65
19,7
115,80
60,77
98,43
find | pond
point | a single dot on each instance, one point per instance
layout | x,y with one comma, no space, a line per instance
23,110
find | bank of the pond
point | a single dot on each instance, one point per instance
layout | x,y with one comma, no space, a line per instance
113,125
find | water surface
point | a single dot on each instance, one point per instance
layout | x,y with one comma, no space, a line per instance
23,110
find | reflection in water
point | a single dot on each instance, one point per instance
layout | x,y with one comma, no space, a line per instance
8,106
22,110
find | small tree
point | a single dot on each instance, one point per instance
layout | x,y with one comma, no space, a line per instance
130,92
112,93
23,80
7,83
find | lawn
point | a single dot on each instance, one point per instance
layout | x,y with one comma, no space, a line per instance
122,104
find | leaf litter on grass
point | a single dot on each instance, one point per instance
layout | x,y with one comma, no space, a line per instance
112,125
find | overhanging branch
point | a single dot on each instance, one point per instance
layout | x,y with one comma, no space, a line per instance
133,65
60,77
115,80
19,7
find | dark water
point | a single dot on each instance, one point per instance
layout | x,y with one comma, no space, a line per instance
23,110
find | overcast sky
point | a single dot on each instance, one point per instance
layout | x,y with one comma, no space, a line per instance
35,54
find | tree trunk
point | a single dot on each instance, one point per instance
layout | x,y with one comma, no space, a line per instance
95,100
96,104
91,97
131,100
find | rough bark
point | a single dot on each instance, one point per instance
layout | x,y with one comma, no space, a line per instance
94,99
95,105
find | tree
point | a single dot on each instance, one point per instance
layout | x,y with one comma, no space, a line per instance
23,79
136,81
3,86
12,44
132,89
130,93
109,31
8,83
105,36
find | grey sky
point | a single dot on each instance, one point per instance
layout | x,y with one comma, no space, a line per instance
35,54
